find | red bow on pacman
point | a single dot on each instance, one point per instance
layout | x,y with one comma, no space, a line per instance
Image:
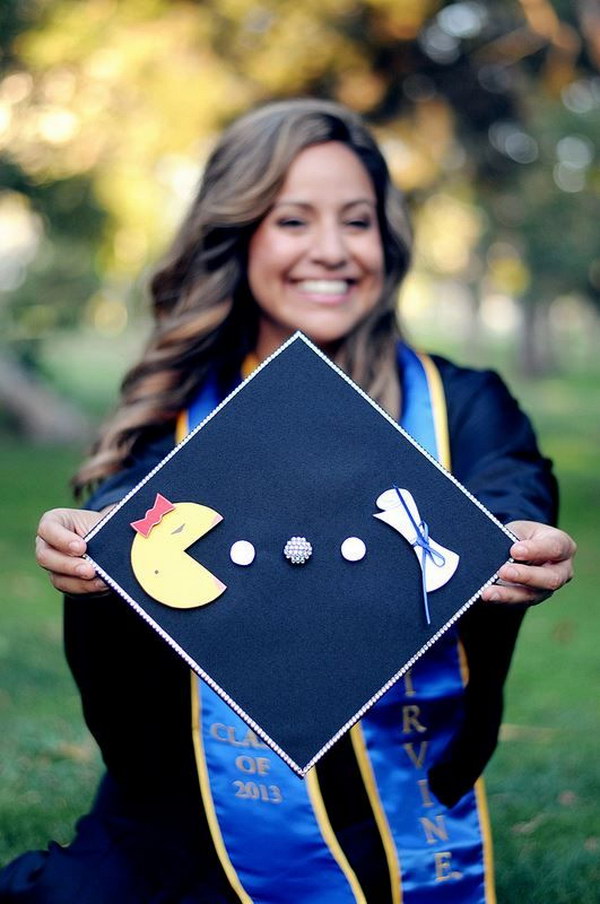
153,515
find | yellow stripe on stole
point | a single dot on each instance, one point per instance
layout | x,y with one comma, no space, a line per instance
440,425
440,422
436,392
181,426
438,407
483,812
207,799
329,836
366,771
181,430
486,836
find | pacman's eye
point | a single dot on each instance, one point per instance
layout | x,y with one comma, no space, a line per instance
178,529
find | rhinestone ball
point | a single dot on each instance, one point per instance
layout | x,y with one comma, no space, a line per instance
297,550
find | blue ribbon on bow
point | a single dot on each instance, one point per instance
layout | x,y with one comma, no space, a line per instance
422,540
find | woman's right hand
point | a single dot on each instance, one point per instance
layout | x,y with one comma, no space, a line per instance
59,546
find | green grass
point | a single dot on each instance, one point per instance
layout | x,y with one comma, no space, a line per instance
544,782
48,764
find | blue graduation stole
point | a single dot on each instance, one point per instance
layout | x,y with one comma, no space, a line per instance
271,829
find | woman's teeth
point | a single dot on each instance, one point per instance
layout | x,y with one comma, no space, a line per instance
324,286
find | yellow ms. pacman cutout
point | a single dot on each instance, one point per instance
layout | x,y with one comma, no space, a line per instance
159,559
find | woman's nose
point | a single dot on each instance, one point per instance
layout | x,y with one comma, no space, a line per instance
329,246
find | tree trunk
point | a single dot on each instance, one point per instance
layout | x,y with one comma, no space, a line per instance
536,353
40,413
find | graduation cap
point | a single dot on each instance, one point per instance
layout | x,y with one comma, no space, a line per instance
300,551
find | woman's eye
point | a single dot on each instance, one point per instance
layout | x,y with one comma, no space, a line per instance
290,222
359,223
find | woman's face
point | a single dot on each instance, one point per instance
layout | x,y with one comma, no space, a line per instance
316,261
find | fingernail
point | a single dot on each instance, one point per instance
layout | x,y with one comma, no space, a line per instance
519,551
493,596
84,571
509,573
76,546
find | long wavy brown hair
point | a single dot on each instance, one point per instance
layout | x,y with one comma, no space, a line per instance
204,315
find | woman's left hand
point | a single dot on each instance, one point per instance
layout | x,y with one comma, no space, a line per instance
544,563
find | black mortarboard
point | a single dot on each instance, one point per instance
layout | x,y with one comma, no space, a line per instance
363,551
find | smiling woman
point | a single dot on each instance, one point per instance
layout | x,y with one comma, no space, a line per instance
316,261
296,225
